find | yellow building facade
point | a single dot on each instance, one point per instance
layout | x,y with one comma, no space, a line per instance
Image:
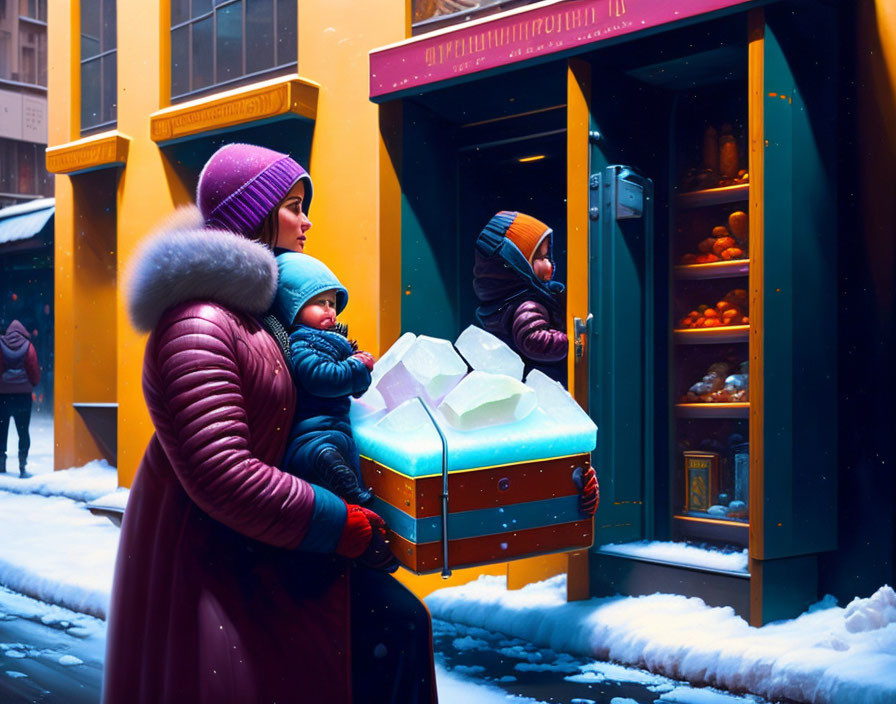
116,182
114,185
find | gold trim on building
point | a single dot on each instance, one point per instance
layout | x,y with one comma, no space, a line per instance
277,97
99,151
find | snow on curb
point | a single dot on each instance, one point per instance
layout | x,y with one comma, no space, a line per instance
829,655
94,479
680,554
58,552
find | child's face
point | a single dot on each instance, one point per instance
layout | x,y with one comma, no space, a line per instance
320,312
292,223
541,265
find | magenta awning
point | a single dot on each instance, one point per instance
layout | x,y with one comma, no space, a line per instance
520,35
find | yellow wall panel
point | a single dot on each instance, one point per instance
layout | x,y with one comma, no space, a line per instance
148,191
334,40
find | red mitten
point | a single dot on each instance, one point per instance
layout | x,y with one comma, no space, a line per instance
356,533
378,555
589,495
366,358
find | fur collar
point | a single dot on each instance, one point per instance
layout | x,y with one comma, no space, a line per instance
183,261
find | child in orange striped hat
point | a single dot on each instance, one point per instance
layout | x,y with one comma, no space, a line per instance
519,300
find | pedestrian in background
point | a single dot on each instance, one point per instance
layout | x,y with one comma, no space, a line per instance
19,374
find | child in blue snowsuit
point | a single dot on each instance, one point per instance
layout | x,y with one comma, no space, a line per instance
327,368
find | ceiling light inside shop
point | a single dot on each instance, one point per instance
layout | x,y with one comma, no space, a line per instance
537,157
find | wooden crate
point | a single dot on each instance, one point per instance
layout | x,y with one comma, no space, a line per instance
494,513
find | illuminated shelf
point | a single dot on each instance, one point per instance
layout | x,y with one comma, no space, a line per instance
713,410
705,518
713,270
702,526
712,336
714,196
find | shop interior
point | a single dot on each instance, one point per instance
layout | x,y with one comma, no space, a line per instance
501,143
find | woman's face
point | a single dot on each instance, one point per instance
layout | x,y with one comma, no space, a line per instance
292,223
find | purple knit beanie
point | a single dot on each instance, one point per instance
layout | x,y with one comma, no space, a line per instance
241,183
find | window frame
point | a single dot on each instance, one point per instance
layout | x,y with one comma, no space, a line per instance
103,53
278,69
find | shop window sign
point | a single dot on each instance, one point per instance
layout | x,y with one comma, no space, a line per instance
225,43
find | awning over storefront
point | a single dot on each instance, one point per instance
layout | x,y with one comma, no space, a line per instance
525,34
26,220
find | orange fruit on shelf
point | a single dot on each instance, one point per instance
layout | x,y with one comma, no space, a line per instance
732,253
723,243
738,224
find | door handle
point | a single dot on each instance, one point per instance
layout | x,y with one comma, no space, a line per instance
581,328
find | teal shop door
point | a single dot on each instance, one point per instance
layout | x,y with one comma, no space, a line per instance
622,366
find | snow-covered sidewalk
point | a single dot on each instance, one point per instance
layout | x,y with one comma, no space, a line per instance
829,655
55,550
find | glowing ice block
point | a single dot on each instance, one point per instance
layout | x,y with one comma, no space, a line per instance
419,453
482,399
371,401
391,356
398,385
407,418
425,366
556,427
554,399
485,352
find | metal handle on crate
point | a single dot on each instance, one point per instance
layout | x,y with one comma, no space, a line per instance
446,572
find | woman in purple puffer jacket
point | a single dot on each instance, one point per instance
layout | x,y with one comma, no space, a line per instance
236,582
518,300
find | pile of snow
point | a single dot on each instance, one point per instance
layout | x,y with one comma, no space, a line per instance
56,550
86,483
680,554
876,613
116,501
829,655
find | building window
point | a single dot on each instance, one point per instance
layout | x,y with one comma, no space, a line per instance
23,41
99,107
33,9
5,44
29,65
217,43
24,171
427,15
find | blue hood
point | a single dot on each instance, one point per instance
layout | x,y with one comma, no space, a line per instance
301,278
